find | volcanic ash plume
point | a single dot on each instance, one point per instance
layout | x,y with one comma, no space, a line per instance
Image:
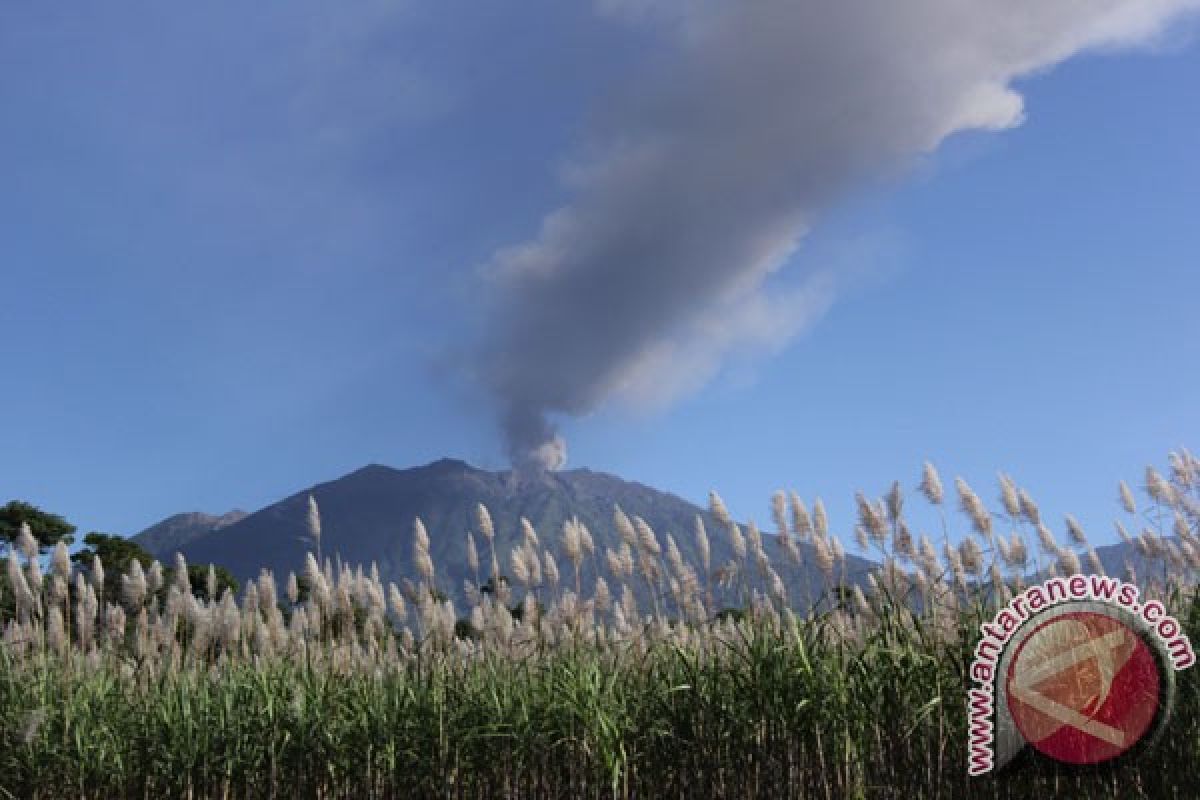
698,184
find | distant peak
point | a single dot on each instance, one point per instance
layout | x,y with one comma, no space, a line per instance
449,464
373,468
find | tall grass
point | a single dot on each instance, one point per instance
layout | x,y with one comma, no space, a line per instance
346,687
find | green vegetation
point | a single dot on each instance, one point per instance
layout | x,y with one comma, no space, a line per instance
47,529
168,694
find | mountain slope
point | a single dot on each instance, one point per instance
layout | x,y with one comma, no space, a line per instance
175,532
367,516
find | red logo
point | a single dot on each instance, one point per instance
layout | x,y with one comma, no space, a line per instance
1083,688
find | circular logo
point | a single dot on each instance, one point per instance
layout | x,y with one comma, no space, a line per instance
1083,687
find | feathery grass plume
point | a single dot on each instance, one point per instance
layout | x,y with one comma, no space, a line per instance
585,538
33,571
1029,509
860,538
870,518
928,558
931,485
974,508
717,506
520,568
1046,540
477,620
954,562
1075,531
420,535
602,595
629,603
624,527
60,561
396,602
903,542
292,589
314,525
1009,497
779,512
210,582
422,560
894,502
471,592
23,596
972,556
674,556
646,538
529,533
1122,532
534,563
1190,553
318,587
1158,488
625,553
1182,470
133,585
572,541
472,554
1154,542
114,622
56,590
1069,562
801,522
550,567
1017,551
790,549
267,590
754,537
702,544
820,519
1094,563
861,606
778,590
736,540
180,575
1003,550
96,574
25,544
1181,527
823,556
615,565
154,577
85,617
1126,497
230,622
483,519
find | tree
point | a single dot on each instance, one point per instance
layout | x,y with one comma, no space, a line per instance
198,578
48,529
116,554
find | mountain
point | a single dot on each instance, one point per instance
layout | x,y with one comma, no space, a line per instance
175,532
1116,558
368,515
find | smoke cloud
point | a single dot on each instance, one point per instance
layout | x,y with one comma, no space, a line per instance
693,188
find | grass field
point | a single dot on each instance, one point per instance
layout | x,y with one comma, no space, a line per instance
340,686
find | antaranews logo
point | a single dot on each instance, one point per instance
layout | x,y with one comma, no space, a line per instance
1078,668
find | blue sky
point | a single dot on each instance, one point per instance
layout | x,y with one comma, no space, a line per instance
245,252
